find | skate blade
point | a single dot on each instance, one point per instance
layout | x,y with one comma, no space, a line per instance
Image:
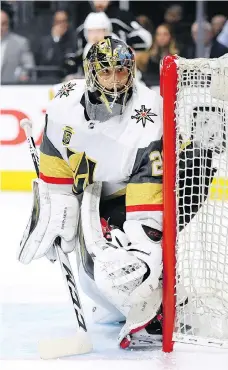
140,344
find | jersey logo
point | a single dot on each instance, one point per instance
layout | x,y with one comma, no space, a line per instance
143,115
68,132
65,90
83,168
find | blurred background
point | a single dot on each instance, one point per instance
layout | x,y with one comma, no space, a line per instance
43,44
45,41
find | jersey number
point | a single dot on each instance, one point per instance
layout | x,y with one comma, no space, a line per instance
156,163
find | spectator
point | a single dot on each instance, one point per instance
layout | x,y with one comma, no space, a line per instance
217,23
96,27
173,16
124,25
145,23
16,58
53,47
212,48
163,44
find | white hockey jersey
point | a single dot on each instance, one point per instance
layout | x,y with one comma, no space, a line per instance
124,152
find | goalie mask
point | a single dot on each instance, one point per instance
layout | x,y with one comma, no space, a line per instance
109,72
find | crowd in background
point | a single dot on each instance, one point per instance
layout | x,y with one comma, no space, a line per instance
54,51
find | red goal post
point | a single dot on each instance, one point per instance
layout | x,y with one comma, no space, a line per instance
168,86
195,251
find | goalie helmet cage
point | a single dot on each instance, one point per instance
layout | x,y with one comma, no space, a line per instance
195,191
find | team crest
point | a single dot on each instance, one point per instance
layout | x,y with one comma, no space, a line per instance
143,115
68,132
65,90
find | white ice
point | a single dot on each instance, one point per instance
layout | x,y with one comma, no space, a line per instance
34,305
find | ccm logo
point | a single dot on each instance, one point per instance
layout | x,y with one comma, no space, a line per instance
20,138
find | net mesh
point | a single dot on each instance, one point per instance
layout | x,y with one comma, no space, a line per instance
202,201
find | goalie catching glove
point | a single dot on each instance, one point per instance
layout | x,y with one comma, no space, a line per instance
55,213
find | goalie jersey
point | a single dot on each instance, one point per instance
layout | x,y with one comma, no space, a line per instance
124,152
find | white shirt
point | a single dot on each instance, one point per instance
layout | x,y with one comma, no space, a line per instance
223,36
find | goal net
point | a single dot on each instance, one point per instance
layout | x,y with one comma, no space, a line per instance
195,243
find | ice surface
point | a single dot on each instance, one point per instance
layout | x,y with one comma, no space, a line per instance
34,305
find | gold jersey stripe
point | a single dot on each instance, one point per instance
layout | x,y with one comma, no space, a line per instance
146,193
54,167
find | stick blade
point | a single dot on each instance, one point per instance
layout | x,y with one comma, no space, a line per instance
61,347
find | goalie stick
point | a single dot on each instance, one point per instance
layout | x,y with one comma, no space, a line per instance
80,343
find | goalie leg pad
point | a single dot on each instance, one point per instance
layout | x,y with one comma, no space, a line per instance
146,313
129,277
119,276
104,311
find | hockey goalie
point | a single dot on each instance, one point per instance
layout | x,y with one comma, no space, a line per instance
101,184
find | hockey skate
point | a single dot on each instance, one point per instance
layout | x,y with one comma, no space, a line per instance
145,337
150,335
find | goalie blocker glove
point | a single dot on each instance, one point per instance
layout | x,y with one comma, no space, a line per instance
55,213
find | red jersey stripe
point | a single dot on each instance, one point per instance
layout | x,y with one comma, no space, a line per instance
145,207
56,180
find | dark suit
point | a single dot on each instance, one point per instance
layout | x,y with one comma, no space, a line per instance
52,54
217,50
124,26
